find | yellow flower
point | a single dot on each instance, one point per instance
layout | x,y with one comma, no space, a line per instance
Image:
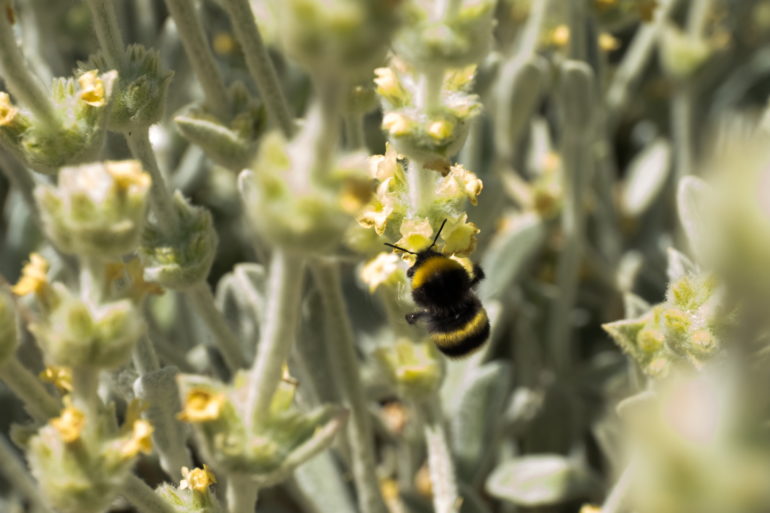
560,36
416,234
202,405
440,130
128,174
590,508
60,377
69,424
459,236
459,182
396,123
33,276
608,42
386,166
7,110
376,215
385,268
139,441
92,88
197,479
388,85
134,272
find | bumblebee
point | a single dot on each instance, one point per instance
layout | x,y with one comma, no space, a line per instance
442,287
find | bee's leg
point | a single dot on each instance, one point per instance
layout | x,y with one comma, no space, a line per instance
413,317
478,275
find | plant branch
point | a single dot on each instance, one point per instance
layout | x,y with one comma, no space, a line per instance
442,472
39,403
259,64
105,21
241,494
284,290
344,367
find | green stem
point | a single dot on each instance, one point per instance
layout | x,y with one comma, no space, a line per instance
144,498
105,21
202,300
144,356
344,366
159,390
259,64
617,497
199,53
38,402
284,291
421,186
241,494
531,34
635,60
17,75
15,471
22,179
85,391
160,198
354,132
442,472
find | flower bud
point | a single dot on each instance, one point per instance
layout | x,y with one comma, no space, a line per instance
140,93
96,209
76,334
194,492
295,210
459,39
337,36
183,258
274,446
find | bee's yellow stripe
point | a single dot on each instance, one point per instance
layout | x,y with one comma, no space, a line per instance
430,267
455,337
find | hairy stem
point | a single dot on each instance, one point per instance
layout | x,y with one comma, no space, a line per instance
29,389
284,290
241,494
203,301
105,21
199,53
344,367
259,64
442,472
144,498
17,75
15,471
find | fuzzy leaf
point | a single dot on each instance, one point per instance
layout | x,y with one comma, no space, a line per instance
509,253
679,265
321,486
539,480
634,306
475,415
692,203
624,333
223,145
647,175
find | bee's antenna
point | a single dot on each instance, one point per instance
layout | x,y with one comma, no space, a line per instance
400,248
437,234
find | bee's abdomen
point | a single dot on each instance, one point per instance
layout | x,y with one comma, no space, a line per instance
461,333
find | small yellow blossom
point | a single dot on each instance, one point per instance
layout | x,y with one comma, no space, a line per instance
385,268
139,441
416,234
33,276
647,9
60,377
197,479
128,174
7,110
459,182
440,130
92,89
134,272
201,405
422,482
376,215
224,43
560,36
461,78
590,508
69,424
608,42
459,236
389,489
386,166
388,84
396,123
